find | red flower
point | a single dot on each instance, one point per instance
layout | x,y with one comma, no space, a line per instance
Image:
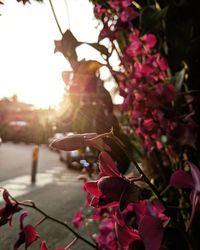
43,246
149,40
110,179
78,218
127,235
128,14
11,207
107,236
27,234
151,224
150,221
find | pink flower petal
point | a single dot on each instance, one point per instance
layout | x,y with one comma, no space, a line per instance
196,176
22,217
43,246
92,188
31,234
151,230
162,63
194,197
181,179
150,40
107,166
78,219
126,235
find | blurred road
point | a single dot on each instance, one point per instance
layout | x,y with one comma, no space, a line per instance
57,191
15,159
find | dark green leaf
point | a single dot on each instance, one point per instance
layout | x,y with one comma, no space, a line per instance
151,18
178,79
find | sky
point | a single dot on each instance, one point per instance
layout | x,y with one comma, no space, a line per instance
28,66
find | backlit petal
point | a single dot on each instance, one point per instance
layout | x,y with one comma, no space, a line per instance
107,166
92,188
30,234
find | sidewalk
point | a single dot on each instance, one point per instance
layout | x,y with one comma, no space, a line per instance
58,193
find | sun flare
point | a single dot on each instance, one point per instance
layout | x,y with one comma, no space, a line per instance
29,67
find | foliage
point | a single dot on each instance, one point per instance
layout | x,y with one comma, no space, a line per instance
157,43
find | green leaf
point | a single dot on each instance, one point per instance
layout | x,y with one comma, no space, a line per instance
151,18
178,79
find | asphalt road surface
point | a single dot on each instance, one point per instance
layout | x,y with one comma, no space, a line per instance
57,191
16,159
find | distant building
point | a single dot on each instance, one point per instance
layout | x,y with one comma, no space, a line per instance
17,113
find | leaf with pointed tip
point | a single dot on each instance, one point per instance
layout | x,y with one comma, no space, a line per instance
178,79
150,18
101,48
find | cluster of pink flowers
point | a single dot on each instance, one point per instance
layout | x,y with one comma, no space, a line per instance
124,218
142,78
147,92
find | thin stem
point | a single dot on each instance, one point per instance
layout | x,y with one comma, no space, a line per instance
32,205
146,179
71,243
40,221
54,14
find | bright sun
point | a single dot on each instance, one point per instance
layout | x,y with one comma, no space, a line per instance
29,67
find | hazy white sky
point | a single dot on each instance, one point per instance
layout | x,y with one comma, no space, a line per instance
28,65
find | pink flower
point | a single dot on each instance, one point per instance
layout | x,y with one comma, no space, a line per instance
149,40
99,10
126,235
151,221
181,179
11,207
115,4
148,124
110,179
27,234
43,246
126,3
107,236
106,32
128,14
163,64
135,48
78,219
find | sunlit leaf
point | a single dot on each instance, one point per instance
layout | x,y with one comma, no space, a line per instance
88,67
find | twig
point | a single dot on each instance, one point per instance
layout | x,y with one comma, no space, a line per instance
71,243
46,216
52,8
